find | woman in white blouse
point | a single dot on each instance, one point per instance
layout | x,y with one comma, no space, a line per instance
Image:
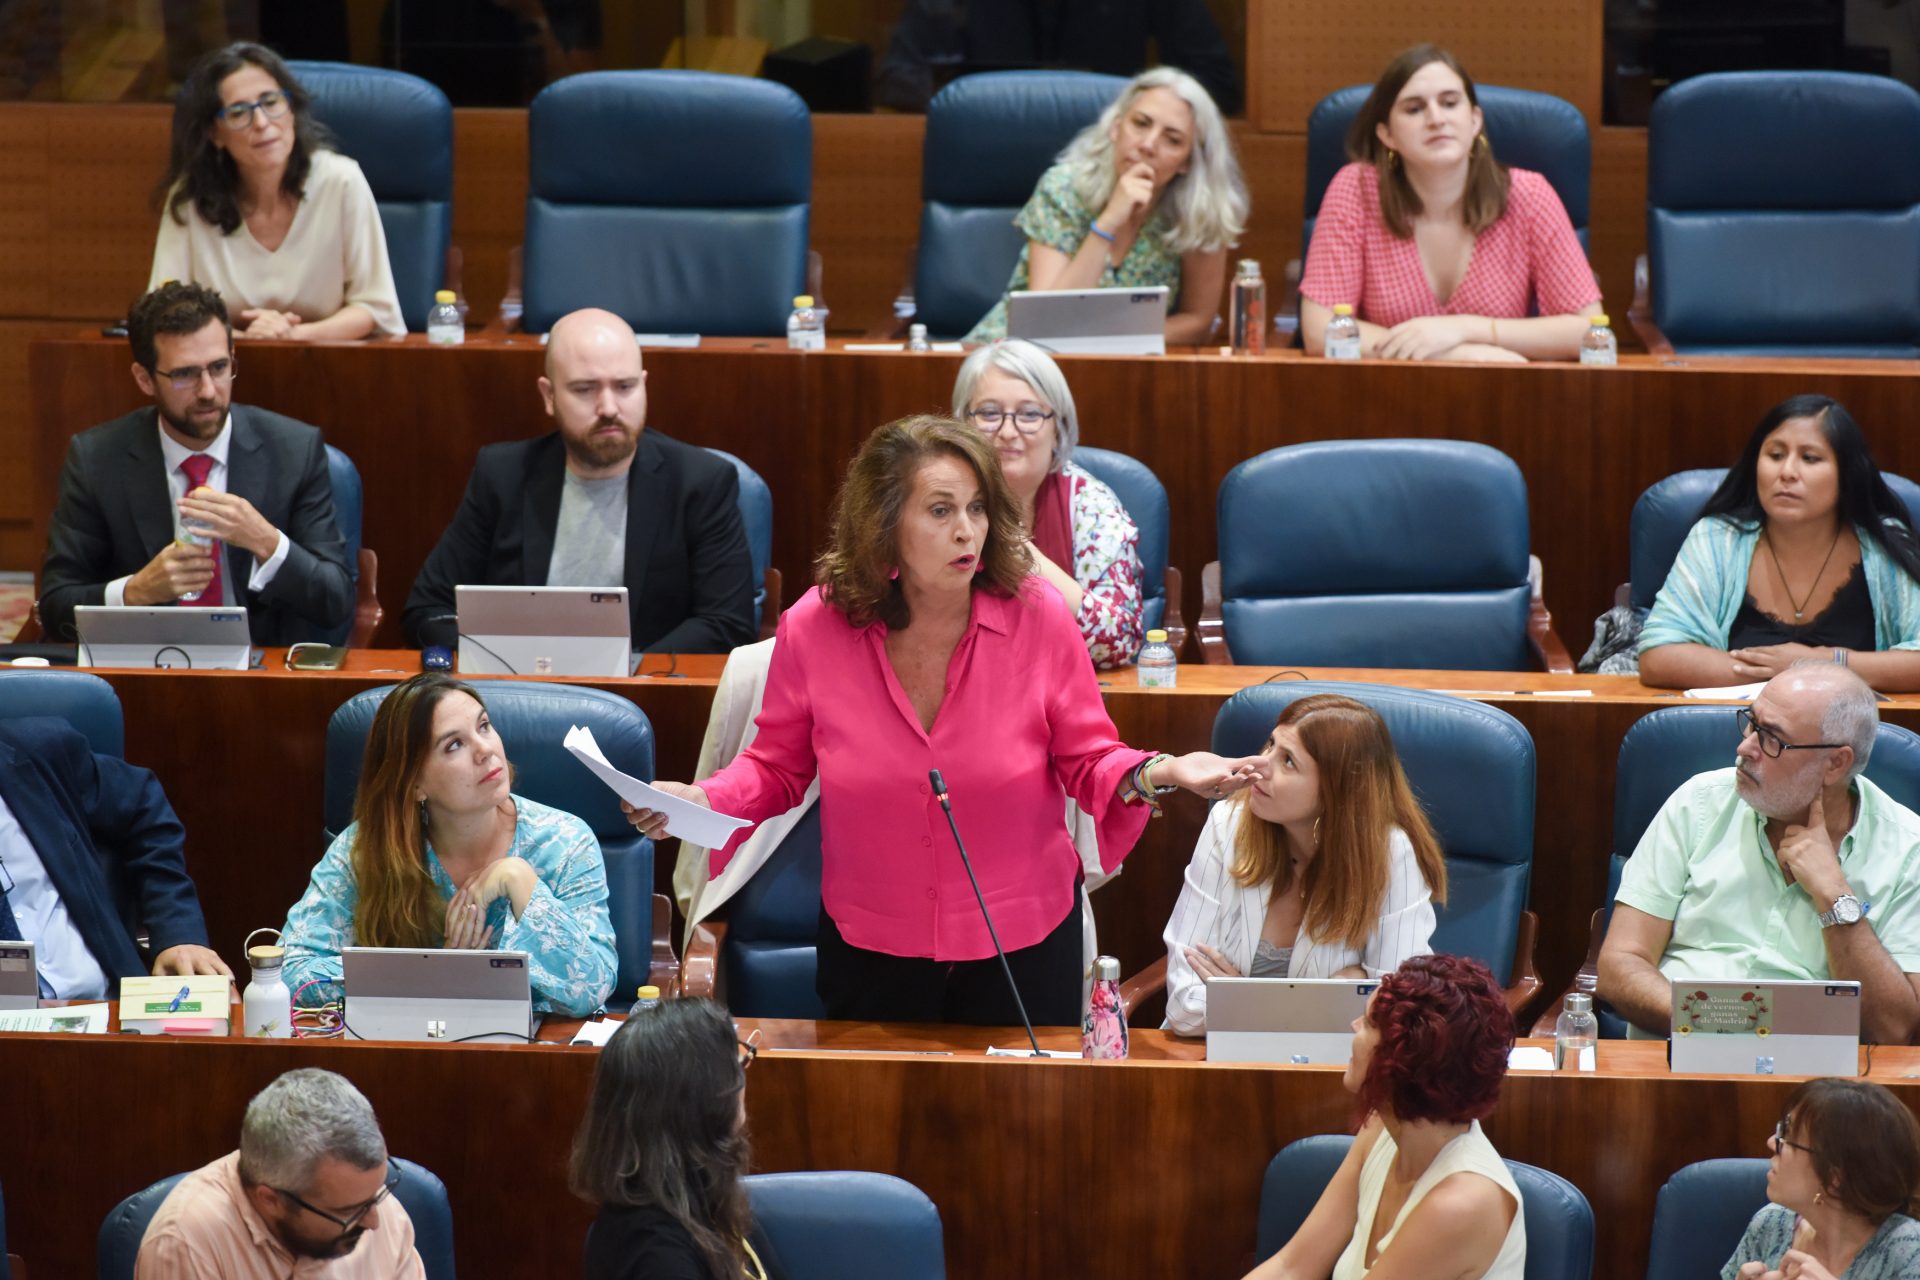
1327,870
255,207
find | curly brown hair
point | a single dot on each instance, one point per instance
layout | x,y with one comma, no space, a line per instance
855,572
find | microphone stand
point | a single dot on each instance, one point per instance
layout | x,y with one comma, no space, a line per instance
940,790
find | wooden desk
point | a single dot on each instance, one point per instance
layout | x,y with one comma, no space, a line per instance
1147,1168
1587,440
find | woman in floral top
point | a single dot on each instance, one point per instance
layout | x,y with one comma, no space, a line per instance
441,853
1149,194
1081,538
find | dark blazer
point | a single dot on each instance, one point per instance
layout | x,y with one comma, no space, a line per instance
97,821
689,578
114,515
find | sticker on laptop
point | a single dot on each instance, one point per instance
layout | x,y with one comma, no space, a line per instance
1729,1011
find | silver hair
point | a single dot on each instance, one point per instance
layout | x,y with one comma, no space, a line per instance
1018,358
1207,205
1852,718
295,1121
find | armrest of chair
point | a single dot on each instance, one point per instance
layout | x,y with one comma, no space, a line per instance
1212,630
700,971
31,632
1553,655
367,612
18,1267
1526,984
1144,985
1623,595
1286,310
1175,622
513,302
663,967
1640,314
776,589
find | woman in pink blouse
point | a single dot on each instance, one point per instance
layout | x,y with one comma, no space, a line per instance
1443,252
928,645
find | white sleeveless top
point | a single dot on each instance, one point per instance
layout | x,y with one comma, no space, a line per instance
1468,1153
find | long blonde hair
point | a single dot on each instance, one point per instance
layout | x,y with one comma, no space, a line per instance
1364,795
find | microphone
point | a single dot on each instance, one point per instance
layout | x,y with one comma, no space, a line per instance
940,790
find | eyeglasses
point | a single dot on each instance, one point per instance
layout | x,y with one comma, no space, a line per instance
1781,1139
1026,419
1771,743
188,379
353,1220
749,1048
272,104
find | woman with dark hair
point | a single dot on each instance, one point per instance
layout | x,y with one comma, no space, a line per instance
1443,252
1326,869
1802,552
1422,1192
663,1148
929,645
257,206
1844,1173
441,853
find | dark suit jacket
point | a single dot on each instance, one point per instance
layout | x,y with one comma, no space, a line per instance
96,820
689,578
114,515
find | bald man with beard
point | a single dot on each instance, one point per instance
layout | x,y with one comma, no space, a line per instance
599,502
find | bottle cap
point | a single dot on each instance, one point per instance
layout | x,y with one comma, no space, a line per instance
1156,636
916,331
1600,321
804,300
266,957
1106,969
648,992
445,295
1579,1002
1249,267
1343,308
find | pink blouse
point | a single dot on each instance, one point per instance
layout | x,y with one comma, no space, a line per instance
1530,255
1021,728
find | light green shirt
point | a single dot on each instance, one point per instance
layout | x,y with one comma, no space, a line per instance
1706,865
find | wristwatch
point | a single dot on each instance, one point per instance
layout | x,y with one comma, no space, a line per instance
1846,910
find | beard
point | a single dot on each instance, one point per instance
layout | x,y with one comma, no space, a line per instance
597,452
195,428
335,1247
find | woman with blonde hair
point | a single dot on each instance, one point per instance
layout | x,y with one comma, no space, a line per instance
441,853
1327,868
1149,194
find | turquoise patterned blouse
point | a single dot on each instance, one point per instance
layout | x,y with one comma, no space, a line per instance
1893,1253
1054,216
565,929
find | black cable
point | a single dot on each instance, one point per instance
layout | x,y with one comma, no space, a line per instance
482,1035
1288,672
171,648
467,639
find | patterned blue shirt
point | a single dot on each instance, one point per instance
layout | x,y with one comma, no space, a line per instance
1893,1253
565,929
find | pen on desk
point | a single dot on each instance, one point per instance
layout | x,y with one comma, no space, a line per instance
174,1007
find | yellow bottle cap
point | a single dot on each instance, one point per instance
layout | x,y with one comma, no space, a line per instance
1601,320
648,992
1343,308
804,300
1156,636
445,295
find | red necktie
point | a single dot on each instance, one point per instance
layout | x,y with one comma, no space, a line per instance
195,469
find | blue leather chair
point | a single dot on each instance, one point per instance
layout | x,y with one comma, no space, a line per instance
400,130
756,512
765,944
989,138
1528,131
1670,507
1783,215
1145,499
676,199
1700,1215
848,1226
531,720
362,563
84,701
419,1191
1376,553
1559,1219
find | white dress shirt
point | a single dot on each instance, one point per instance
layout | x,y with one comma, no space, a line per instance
66,965
174,453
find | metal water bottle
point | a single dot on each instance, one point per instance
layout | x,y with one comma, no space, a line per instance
1103,1032
266,1004
1249,310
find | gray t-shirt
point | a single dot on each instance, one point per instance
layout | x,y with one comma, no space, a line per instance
590,542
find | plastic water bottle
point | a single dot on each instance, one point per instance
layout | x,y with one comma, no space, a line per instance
1103,1032
807,326
1249,312
193,533
647,997
1343,334
445,328
917,338
1598,345
1157,667
1574,1034
266,1004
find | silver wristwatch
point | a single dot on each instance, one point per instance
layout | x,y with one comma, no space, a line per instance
1846,910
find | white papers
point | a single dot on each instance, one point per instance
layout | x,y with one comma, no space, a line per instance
596,1032
685,819
667,339
1731,693
1026,1051
84,1019
1526,1057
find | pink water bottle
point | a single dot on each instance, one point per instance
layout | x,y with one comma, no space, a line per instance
1103,1033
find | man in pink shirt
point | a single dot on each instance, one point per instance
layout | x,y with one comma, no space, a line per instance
308,1194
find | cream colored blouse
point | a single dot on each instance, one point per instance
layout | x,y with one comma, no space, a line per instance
335,253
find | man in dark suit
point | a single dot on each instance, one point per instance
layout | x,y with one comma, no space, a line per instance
601,502
255,483
65,813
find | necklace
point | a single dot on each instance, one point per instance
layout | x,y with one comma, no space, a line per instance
1800,606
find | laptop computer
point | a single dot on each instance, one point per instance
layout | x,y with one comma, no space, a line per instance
1297,1020
19,979
546,631
1790,1028
163,636
1097,322
434,994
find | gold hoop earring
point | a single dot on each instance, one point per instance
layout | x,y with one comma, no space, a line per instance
1393,158
1483,144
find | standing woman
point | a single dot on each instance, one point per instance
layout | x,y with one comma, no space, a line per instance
1149,194
1443,252
256,206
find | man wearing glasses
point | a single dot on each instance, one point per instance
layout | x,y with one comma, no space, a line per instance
196,500
1791,865
309,1193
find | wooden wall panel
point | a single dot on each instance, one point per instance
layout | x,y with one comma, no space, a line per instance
1618,218
866,213
489,200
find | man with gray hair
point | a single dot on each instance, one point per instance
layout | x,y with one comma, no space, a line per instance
1791,865
308,1194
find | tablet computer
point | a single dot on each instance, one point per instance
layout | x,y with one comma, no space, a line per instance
1297,1020
1100,322
1747,1027
437,994
544,631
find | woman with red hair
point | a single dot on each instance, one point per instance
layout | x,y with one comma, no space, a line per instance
1422,1192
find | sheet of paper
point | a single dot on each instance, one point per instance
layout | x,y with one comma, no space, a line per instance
1731,693
875,346
1528,1057
82,1019
685,819
667,339
596,1033
1026,1051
